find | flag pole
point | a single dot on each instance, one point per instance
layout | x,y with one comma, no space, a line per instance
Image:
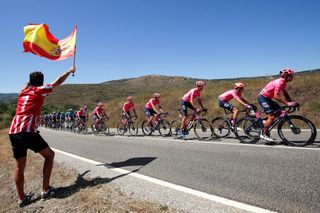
74,59
74,55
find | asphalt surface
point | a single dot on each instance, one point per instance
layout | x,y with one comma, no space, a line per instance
278,178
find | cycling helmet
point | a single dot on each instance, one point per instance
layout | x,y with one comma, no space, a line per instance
85,107
100,104
81,109
286,72
129,98
156,95
238,85
199,83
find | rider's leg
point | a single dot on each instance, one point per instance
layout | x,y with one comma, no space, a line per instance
234,116
151,120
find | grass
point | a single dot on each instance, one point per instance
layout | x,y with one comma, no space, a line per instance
80,193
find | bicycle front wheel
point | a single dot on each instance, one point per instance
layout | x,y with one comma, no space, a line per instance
146,128
247,130
133,129
121,128
203,129
164,128
220,127
296,130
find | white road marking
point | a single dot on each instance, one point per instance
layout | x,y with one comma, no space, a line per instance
176,187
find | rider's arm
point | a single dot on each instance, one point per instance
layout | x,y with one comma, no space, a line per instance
63,77
154,108
277,97
200,102
287,96
135,114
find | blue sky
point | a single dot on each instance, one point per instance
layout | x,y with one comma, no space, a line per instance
208,39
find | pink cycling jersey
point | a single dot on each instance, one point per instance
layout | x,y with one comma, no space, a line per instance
128,106
29,105
228,95
191,95
81,113
274,87
153,101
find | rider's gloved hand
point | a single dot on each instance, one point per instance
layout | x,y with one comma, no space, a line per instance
249,106
292,104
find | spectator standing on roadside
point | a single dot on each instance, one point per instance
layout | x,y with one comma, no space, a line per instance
24,135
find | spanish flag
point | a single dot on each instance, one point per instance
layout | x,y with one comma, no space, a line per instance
39,41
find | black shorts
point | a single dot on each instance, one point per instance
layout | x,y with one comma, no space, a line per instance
23,141
184,107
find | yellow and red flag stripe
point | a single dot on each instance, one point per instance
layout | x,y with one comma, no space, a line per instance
39,41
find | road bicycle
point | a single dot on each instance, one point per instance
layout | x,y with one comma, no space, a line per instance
80,126
160,124
201,126
127,124
100,126
222,126
294,130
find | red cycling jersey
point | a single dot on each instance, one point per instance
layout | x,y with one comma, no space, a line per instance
28,109
191,95
127,106
81,113
98,111
153,101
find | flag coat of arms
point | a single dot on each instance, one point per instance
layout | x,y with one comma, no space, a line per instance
39,41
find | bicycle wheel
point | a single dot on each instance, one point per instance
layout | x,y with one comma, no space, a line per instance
133,129
164,128
175,127
121,128
94,130
297,130
220,127
84,129
146,128
247,130
203,129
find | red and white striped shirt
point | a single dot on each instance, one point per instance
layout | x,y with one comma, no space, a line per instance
29,105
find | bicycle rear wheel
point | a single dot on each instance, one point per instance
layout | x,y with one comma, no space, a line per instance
220,127
164,128
146,128
203,129
247,130
133,129
297,130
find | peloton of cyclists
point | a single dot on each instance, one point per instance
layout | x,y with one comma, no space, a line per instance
152,108
235,93
188,102
272,92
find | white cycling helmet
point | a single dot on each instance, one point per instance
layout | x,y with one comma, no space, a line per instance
239,85
156,95
199,83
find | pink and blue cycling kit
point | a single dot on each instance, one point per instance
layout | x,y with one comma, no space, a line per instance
193,93
228,95
274,87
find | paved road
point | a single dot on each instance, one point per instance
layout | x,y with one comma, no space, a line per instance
277,178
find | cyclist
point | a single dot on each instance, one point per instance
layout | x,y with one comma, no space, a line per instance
81,116
98,113
235,93
188,102
127,107
272,91
151,110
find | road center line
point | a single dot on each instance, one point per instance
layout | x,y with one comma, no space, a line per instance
176,187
